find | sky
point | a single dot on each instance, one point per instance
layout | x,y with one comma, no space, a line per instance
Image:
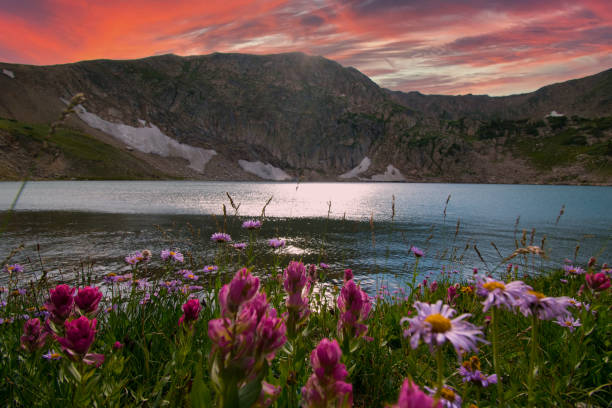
495,47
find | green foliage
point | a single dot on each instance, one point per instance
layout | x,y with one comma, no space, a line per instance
87,157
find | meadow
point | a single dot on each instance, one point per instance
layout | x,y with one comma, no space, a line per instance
254,326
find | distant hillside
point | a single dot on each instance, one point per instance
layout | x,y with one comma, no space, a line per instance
292,116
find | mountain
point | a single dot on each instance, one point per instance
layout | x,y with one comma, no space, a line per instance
292,116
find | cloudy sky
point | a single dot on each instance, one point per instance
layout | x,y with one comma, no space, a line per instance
494,47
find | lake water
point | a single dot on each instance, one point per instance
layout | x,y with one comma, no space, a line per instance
356,225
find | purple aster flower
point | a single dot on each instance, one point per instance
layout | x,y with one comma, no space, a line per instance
141,284
411,396
500,294
14,268
2,303
145,299
220,237
251,224
175,255
276,242
134,258
210,268
544,307
573,270
239,246
434,326
569,322
449,398
21,291
323,265
416,251
52,355
470,371
190,275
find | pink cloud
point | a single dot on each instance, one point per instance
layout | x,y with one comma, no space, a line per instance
441,46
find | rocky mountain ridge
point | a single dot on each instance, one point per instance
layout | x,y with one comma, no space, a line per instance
292,116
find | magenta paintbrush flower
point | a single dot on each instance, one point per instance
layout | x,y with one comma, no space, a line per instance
240,290
191,312
80,335
355,307
33,335
326,386
297,285
87,299
597,281
411,396
60,302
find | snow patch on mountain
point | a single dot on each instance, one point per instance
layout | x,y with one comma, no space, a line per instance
391,174
361,168
264,171
148,139
8,73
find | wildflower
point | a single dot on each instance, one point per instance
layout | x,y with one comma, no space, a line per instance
80,334
355,306
452,293
564,281
411,396
117,345
573,270
33,335
251,224
2,303
569,322
191,312
20,292
14,268
111,277
210,268
276,242
597,281
241,289
449,398
323,265
174,255
189,275
499,294
434,326
470,371
60,302
416,251
145,298
544,307
297,286
573,302
52,355
134,258
220,237
240,246
170,285
434,286
468,290
326,386
348,275
269,394
87,299
146,255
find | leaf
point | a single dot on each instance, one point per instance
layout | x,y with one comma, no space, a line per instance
249,394
200,394
74,372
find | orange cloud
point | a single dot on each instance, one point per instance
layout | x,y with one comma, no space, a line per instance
441,46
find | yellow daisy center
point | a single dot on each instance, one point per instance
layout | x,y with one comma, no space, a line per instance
439,323
112,274
466,289
568,323
539,295
172,253
55,355
491,286
447,394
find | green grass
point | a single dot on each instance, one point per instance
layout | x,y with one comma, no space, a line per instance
158,365
85,156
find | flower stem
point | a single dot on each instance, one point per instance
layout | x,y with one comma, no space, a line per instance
414,275
440,360
500,389
533,361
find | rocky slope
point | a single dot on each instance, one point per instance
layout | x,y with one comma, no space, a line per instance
292,116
